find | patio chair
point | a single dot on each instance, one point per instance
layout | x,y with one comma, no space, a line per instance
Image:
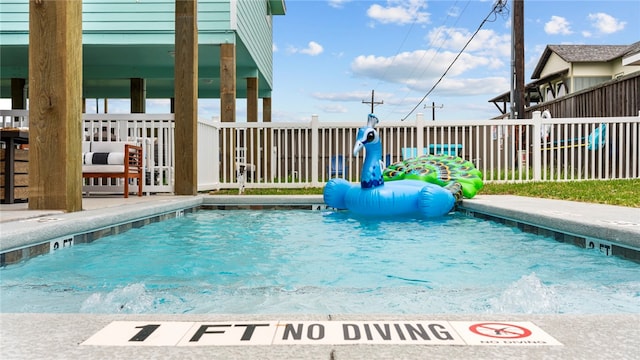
445,149
244,170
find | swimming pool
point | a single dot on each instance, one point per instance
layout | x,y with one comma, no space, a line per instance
300,261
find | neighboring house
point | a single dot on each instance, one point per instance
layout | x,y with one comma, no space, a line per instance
567,69
128,48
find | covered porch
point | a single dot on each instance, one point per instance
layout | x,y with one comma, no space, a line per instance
57,54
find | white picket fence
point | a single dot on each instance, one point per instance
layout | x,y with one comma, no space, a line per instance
306,154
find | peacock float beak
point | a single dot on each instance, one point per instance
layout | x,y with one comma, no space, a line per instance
357,147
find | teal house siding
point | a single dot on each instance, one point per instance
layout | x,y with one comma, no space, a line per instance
14,22
256,33
111,21
124,39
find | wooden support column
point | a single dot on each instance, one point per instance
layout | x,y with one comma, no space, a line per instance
252,99
228,82
18,96
266,109
186,97
266,117
228,98
55,94
138,96
253,142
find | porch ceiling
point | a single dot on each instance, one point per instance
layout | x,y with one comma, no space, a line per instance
108,68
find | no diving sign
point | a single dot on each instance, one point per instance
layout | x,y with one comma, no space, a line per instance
502,333
500,330
177,333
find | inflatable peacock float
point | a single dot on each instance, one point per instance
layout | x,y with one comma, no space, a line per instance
440,170
429,185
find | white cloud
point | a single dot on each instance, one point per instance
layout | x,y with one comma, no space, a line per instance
343,96
416,67
606,23
338,3
557,25
351,98
312,49
400,12
419,70
468,87
453,11
334,109
486,42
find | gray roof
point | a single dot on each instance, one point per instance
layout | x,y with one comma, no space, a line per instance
632,49
584,53
588,53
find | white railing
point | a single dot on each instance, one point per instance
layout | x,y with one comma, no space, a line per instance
208,168
288,155
14,118
299,155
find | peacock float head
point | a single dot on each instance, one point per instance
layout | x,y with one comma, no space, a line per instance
367,138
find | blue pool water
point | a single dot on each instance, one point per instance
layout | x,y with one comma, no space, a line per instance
292,261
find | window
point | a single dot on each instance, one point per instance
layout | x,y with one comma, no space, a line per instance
549,95
561,89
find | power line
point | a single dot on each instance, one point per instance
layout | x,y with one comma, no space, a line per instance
440,28
496,8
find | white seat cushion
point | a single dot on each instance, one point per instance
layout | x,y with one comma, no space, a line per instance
103,168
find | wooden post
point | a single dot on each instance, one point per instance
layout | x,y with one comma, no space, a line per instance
228,97
138,96
18,97
266,109
252,99
253,148
186,97
55,116
268,150
228,82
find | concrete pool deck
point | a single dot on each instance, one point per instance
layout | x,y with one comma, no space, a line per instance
52,336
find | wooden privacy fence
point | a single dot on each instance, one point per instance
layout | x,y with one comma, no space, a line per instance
617,97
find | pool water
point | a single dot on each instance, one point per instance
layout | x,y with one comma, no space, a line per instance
297,261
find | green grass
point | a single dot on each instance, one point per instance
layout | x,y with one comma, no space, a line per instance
611,192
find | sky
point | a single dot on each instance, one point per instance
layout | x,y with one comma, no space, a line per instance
328,55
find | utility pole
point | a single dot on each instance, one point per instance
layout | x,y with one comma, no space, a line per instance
517,60
373,102
517,79
433,109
